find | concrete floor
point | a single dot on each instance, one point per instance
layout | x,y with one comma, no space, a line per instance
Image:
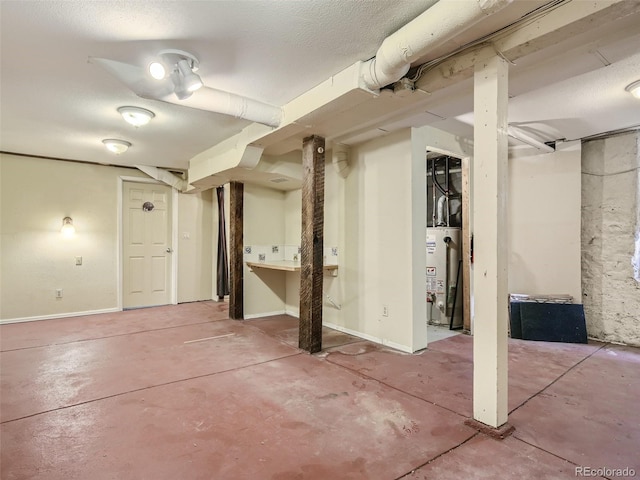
181,392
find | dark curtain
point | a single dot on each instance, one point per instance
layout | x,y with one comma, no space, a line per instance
223,257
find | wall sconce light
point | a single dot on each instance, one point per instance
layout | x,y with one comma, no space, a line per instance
67,230
634,89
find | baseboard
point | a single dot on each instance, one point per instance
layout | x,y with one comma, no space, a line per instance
59,315
371,338
265,314
292,313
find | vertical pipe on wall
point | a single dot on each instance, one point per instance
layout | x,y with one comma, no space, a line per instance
433,191
447,188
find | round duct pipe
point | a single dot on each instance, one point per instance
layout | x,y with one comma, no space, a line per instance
437,25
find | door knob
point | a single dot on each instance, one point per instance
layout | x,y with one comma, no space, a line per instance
169,250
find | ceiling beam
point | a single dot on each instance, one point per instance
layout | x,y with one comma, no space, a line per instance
566,21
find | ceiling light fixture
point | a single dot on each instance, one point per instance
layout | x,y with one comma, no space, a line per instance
179,87
634,89
116,146
157,70
181,66
192,82
136,116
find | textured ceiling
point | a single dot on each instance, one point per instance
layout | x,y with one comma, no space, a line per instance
54,103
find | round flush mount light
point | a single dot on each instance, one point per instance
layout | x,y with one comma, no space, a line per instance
116,146
136,116
634,89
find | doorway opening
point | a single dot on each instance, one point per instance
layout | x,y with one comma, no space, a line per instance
447,265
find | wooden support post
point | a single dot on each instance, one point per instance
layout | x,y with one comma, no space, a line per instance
490,293
236,268
311,260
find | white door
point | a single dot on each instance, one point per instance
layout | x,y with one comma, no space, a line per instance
146,238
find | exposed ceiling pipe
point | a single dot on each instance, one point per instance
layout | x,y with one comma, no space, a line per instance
237,106
165,177
513,132
437,25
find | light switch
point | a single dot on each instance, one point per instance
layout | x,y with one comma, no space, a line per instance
78,260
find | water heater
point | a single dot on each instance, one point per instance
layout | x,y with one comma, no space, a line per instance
444,247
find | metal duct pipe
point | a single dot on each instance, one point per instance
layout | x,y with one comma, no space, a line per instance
437,25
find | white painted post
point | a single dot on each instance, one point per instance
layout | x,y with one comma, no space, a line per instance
490,293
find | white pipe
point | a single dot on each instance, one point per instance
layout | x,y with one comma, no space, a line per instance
437,25
532,142
218,101
441,201
164,176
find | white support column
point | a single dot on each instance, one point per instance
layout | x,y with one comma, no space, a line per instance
490,241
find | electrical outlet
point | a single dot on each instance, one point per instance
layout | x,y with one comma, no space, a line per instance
58,293
385,310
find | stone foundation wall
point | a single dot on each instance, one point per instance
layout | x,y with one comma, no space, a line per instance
611,237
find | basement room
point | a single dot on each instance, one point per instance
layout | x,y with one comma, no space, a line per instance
285,240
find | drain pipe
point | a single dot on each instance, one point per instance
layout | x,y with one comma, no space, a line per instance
437,25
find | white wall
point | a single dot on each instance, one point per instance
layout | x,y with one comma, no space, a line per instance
543,221
376,269
293,233
333,237
377,218
35,260
264,224
368,216
610,236
197,246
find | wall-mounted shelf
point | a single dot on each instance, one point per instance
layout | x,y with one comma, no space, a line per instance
288,266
